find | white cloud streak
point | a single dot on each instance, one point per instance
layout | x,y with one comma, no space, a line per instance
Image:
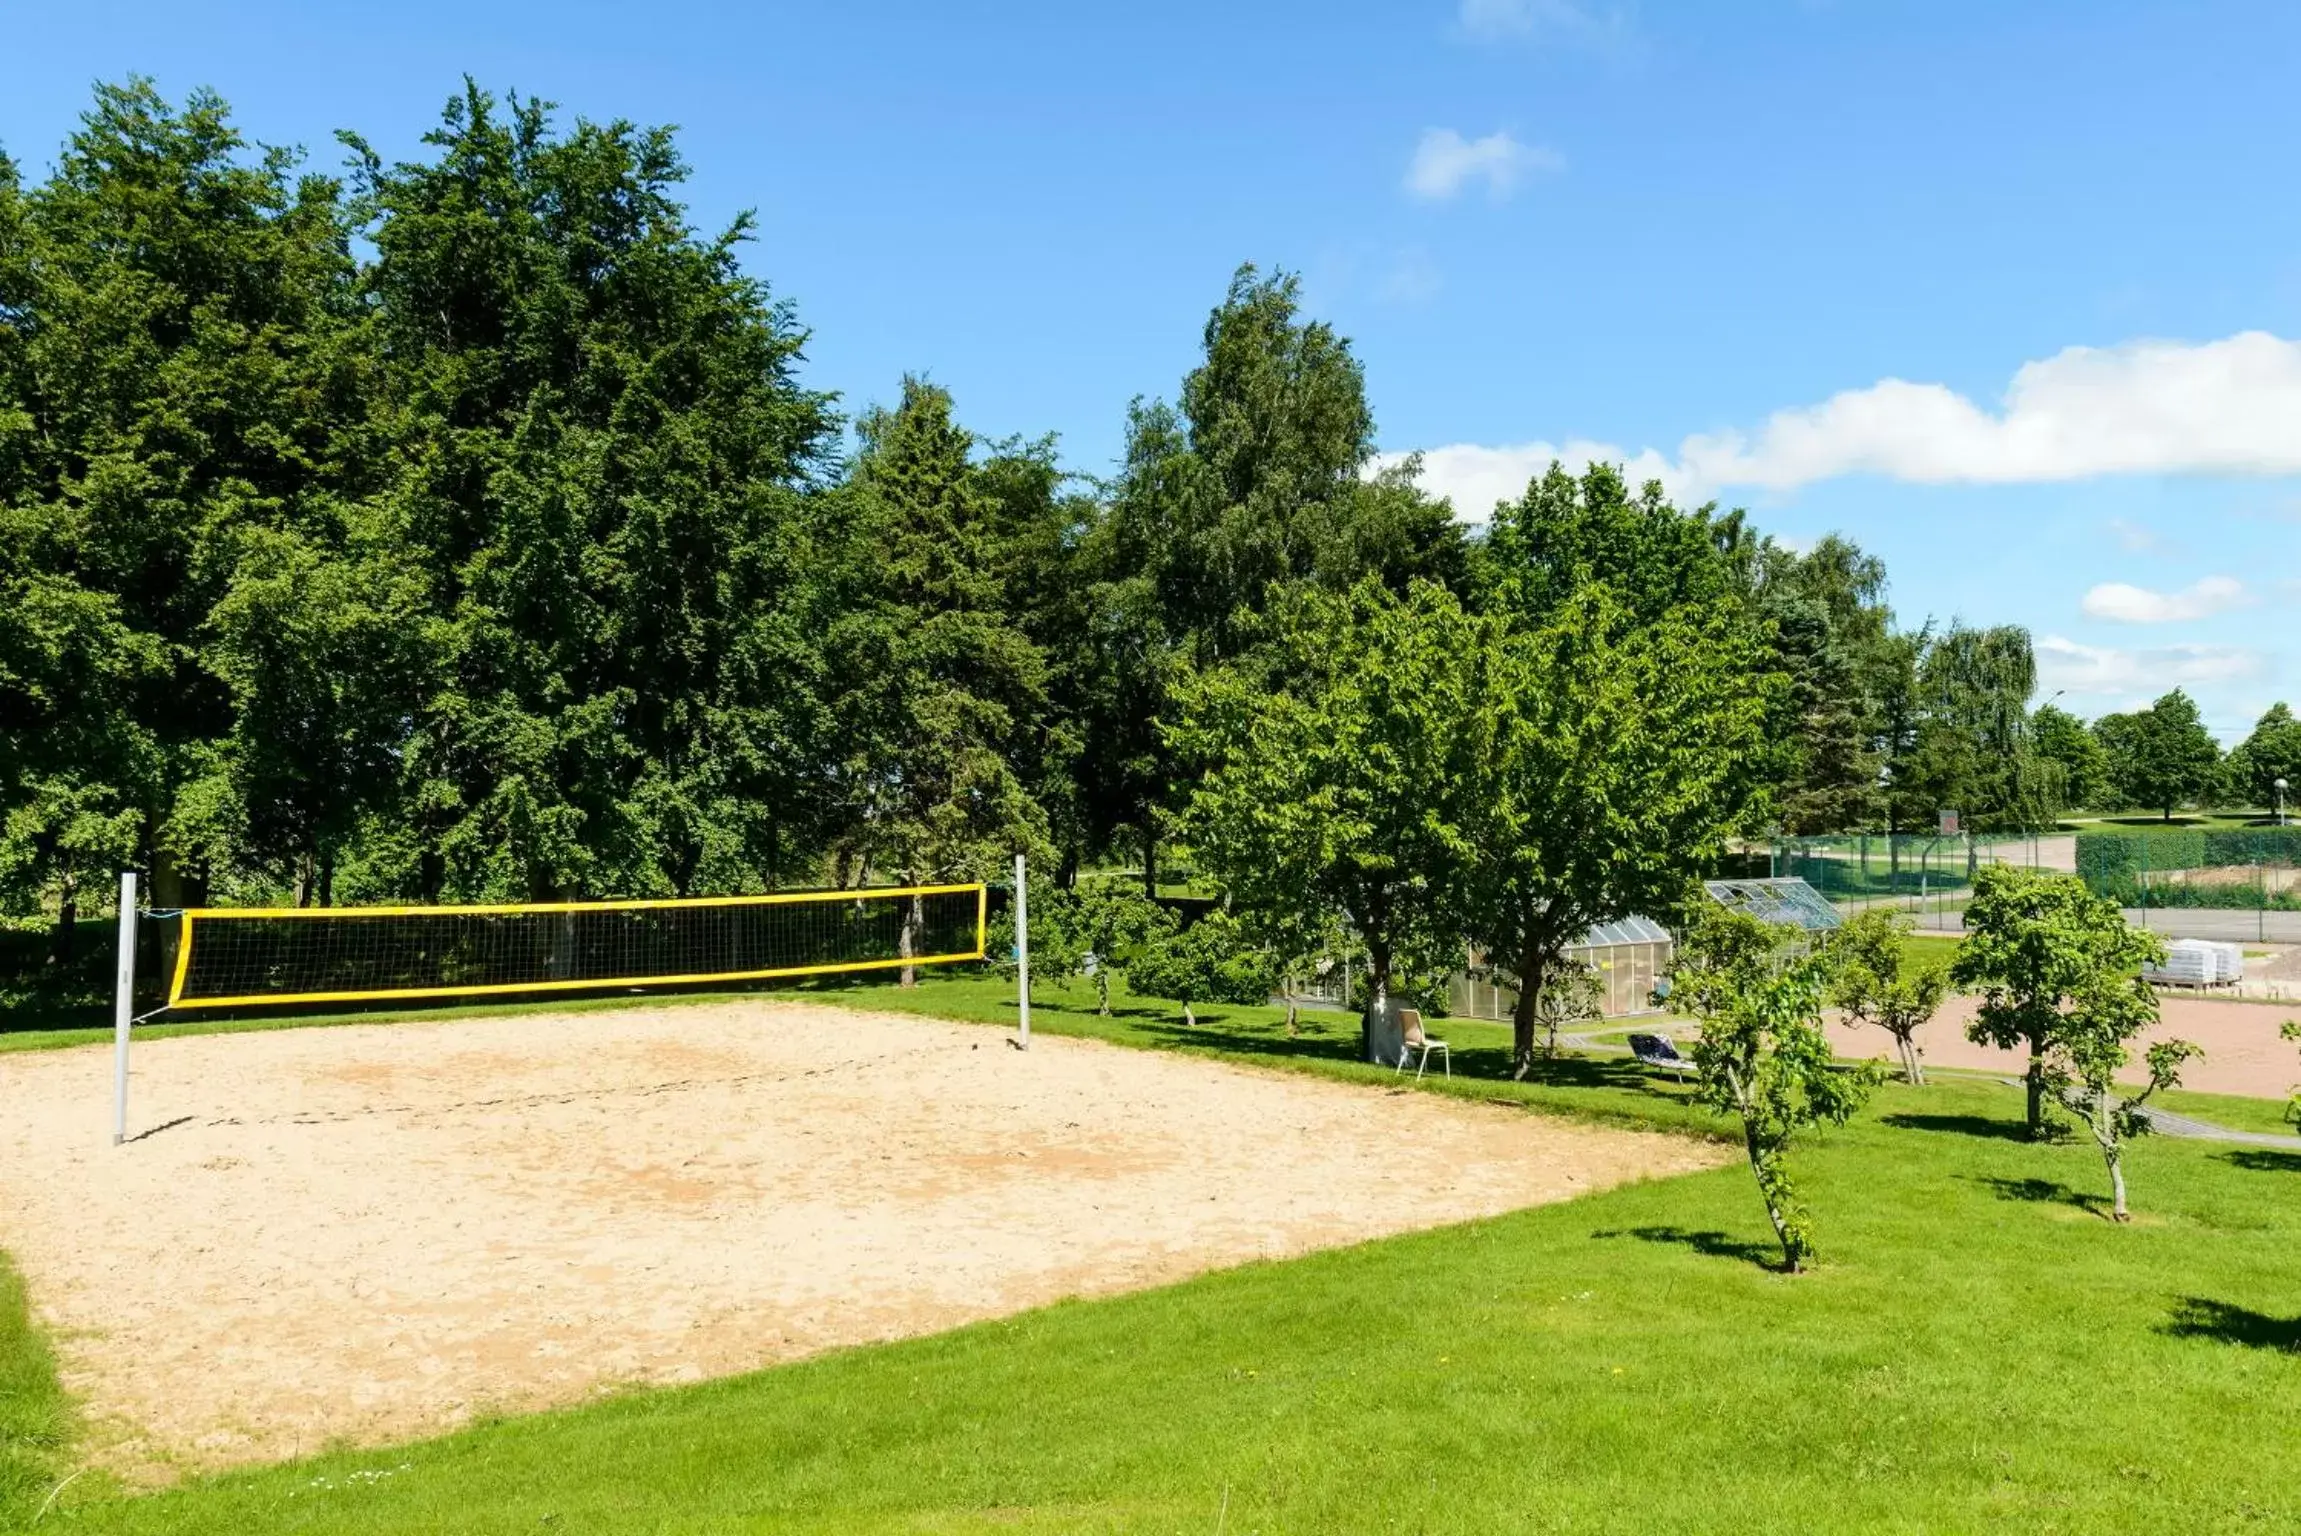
1445,162
2226,407
1492,21
2123,604
2134,676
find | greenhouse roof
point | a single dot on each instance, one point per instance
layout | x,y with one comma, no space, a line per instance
1785,900
1628,930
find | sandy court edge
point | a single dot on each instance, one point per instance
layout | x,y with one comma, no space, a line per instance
366,1233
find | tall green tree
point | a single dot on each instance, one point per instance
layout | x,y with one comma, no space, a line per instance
185,351
2163,757
2270,753
1569,532
1613,761
1256,483
1330,768
323,652
1833,637
2064,739
1971,749
1631,704
941,692
602,466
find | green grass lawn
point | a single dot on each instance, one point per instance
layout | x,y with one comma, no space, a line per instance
35,1419
1980,1349
2183,821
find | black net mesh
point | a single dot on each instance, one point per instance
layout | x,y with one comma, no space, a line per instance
345,954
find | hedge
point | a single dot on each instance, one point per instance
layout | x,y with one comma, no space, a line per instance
2114,864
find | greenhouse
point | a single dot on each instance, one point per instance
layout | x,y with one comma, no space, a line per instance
1629,957
1787,901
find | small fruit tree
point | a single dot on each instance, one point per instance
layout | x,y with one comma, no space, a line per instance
1874,981
1762,1054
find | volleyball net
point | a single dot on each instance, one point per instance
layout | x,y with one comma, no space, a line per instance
236,957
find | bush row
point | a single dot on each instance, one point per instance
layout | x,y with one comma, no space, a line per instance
2118,864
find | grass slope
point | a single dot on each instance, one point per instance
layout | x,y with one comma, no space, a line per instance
35,1419
1980,1349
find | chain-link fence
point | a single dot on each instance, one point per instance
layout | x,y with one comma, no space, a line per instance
1927,876
2236,884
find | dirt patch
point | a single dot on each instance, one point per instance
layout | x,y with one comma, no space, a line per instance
374,1232
2243,1054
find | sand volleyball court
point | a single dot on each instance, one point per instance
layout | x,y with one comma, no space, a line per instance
373,1232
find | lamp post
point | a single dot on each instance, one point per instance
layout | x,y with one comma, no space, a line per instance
2280,802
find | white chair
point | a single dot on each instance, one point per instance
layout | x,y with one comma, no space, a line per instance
1419,1041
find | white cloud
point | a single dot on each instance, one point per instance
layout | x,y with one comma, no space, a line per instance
1445,162
1413,279
2137,676
1475,478
1502,20
2145,407
2123,604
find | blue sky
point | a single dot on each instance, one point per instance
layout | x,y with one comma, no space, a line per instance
1699,237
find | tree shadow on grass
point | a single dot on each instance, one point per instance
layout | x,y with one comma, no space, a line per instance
1209,1034
2261,1160
1961,1125
1716,1245
1478,1063
2198,1317
2044,1191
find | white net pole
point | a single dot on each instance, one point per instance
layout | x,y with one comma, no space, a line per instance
1023,953
123,1006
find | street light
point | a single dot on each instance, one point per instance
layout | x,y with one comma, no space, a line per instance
2280,802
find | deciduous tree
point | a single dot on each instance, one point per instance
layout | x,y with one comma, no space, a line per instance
2162,757
2039,947
1611,761
2064,739
2089,1053
1874,980
1334,768
2271,753
1762,1055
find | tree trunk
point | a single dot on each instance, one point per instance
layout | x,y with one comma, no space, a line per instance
167,880
907,944
63,942
1792,1258
1912,1068
1532,966
1150,864
1102,986
2101,1119
2034,1081
1377,1006
327,878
